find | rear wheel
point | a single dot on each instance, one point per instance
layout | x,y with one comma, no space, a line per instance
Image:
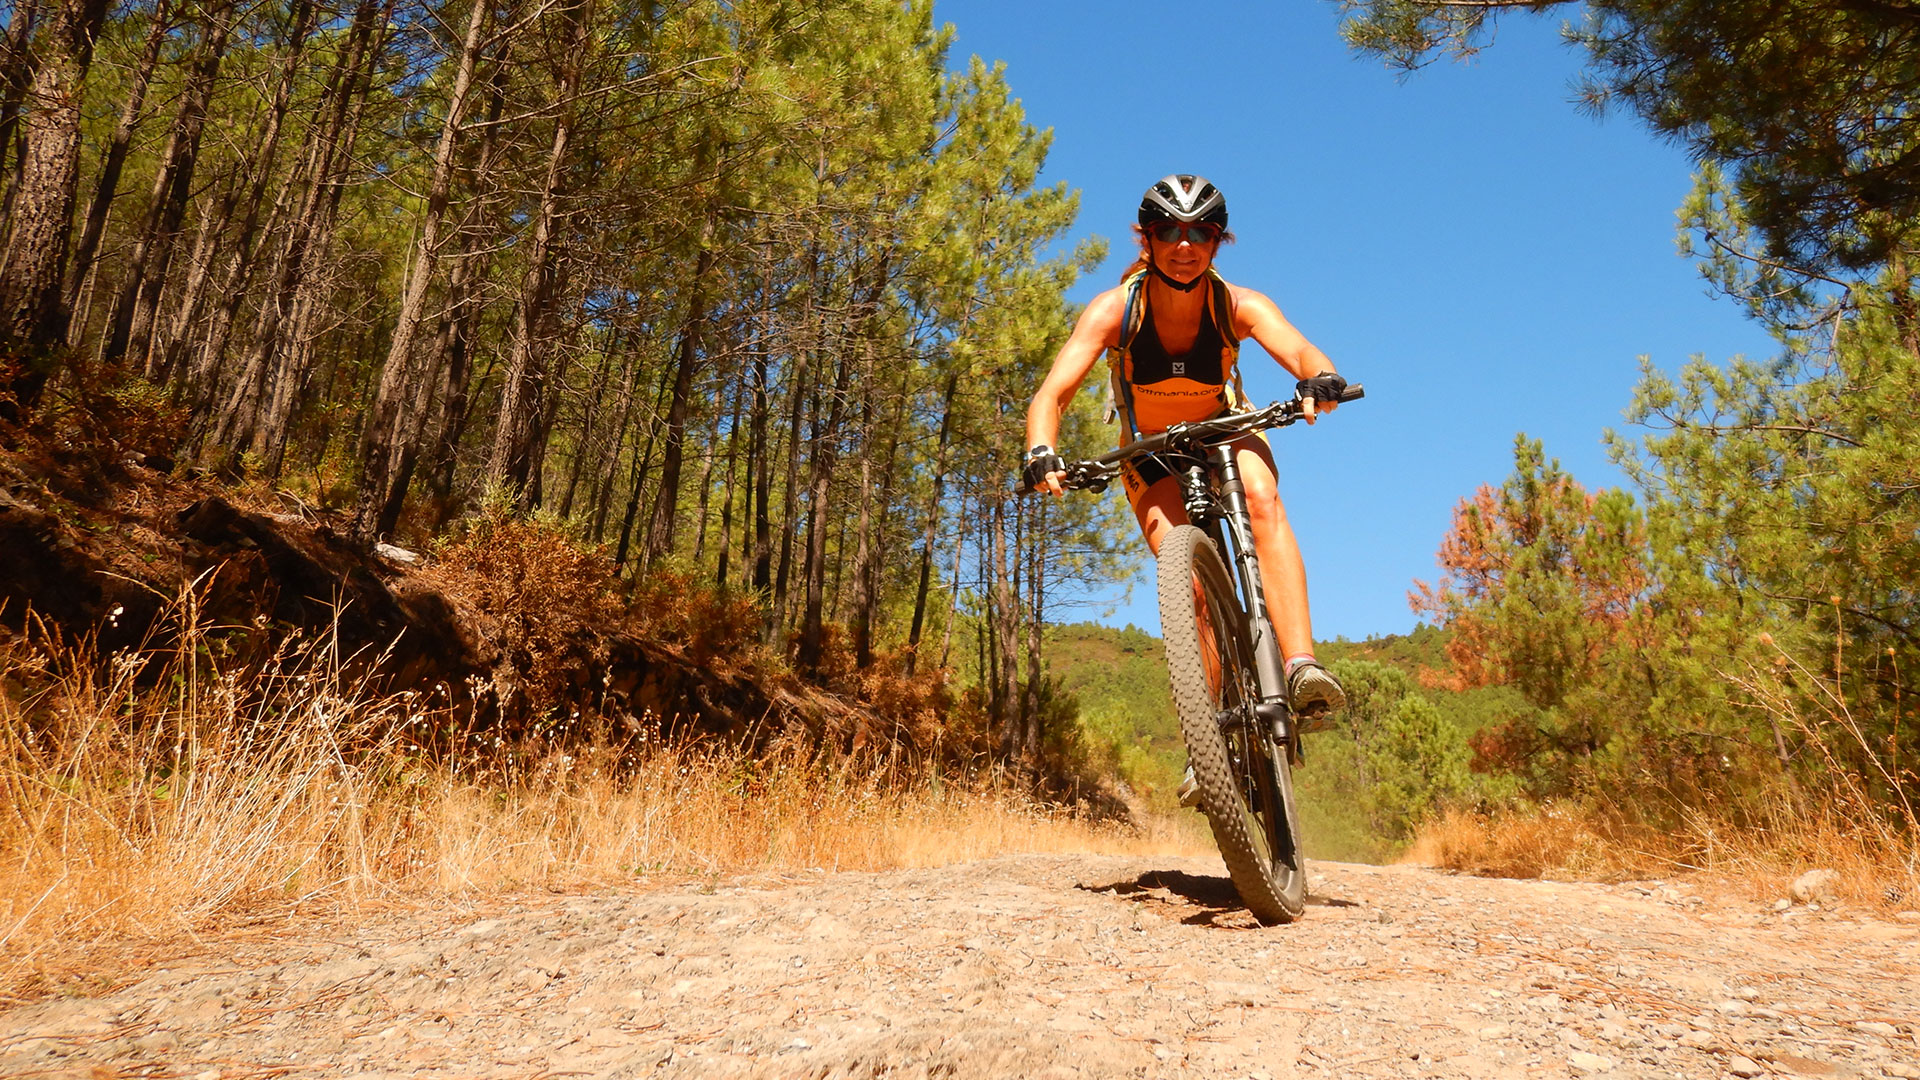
1246,783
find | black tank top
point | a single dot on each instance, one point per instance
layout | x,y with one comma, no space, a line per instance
1201,363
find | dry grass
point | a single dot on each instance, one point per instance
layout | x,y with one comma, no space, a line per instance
1851,812
1757,859
152,796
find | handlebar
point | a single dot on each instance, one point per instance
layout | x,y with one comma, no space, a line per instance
1097,473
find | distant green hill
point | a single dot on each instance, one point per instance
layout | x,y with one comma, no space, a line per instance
1422,654
1119,678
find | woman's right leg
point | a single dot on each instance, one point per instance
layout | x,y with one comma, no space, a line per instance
1158,509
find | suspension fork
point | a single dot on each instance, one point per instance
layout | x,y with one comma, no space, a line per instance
1246,564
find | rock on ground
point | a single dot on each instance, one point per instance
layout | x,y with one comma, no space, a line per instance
1032,966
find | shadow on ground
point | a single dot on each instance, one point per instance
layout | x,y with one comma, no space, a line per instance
1195,899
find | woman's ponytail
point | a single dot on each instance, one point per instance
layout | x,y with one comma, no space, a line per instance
1140,262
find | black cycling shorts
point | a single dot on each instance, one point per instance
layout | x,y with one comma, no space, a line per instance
1142,473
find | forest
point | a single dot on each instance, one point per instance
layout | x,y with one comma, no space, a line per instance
750,295
744,301
1729,648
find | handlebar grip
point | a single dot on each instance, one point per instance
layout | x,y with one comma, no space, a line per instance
1353,393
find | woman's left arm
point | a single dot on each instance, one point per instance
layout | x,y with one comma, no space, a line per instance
1255,315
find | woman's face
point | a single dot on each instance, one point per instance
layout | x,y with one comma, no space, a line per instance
1188,254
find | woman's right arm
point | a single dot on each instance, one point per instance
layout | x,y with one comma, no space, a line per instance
1097,330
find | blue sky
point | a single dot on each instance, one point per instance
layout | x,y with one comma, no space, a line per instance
1485,259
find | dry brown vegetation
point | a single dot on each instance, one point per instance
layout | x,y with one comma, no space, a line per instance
150,794
1588,842
1859,822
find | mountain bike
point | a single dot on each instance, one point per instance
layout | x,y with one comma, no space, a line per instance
1229,687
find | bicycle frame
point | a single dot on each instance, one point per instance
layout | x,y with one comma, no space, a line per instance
1216,501
1220,509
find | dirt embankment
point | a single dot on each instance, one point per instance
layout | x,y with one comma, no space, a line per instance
105,550
1049,966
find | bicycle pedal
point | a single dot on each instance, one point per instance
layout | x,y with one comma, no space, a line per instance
1312,720
1189,791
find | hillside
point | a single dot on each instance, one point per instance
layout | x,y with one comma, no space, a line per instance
1118,677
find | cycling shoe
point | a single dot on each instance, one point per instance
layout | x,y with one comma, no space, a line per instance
1315,695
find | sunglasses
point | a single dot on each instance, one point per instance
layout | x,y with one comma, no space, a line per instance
1170,232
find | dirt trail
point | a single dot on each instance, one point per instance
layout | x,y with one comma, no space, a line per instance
1049,966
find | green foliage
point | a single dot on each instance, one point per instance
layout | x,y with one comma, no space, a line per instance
1418,763
1666,651
1395,758
1119,678
1540,579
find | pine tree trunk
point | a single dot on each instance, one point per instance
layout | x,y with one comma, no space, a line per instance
589,429
450,359
200,384
863,590
1036,620
114,162
18,63
610,456
262,403
173,347
641,460
543,432
379,440
687,359
131,330
796,438
759,464
931,534
732,482
1003,608
870,559
814,567
33,311
953,592
518,430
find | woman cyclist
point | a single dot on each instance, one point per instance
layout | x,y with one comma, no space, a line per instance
1173,351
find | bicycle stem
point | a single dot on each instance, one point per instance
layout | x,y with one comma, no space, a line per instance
1246,563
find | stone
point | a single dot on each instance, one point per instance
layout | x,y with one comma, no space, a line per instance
1589,1063
396,554
1743,1066
1813,886
1699,1040
1876,1027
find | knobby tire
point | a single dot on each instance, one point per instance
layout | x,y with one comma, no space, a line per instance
1245,781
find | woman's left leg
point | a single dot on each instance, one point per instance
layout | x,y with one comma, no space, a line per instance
1283,574
1311,688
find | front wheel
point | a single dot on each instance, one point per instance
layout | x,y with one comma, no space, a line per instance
1246,787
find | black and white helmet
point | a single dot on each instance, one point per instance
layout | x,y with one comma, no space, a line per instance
1184,197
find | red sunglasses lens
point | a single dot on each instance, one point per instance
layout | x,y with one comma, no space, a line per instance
1170,233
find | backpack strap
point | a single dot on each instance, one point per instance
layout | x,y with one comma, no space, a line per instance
1236,394
1119,392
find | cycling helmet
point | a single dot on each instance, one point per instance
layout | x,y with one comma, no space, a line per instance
1184,197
